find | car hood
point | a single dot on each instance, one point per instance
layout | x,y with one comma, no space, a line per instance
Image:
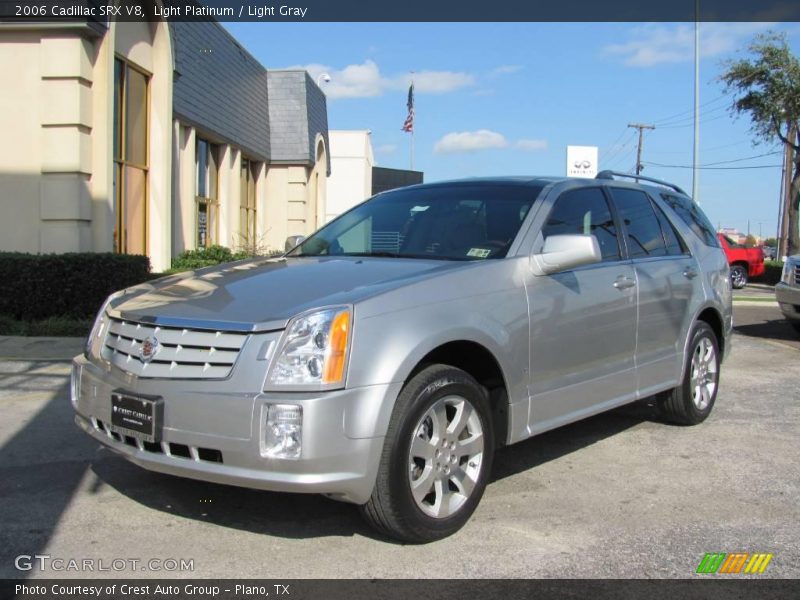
263,294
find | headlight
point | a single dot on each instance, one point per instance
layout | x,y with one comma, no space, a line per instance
786,275
99,327
313,351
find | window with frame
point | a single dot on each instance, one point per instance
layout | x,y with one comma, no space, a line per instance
644,235
694,217
130,141
675,244
247,202
585,211
206,192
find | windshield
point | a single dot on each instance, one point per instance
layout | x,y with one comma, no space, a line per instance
459,222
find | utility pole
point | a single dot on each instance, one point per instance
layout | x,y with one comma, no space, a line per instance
696,143
786,196
641,128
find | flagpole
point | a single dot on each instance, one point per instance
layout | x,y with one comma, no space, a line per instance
414,127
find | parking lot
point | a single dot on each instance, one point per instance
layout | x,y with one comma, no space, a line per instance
618,495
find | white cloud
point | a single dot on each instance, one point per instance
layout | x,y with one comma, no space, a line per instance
365,80
531,145
655,44
470,141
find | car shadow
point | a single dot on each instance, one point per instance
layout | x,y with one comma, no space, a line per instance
773,329
297,516
555,444
41,465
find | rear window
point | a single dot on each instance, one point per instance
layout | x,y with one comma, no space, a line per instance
694,217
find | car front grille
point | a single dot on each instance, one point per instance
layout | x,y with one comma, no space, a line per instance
797,274
178,353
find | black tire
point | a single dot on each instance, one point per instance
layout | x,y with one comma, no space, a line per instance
393,509
691,402
738,276
796,325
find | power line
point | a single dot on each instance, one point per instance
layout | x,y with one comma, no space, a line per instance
691,110
725,162
690,124
690,118
619,148
652,164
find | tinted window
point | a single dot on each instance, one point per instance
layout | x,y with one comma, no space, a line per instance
675,245
459,222
584,211
641,224
693,216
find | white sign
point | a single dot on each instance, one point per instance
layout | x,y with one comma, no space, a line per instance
582,161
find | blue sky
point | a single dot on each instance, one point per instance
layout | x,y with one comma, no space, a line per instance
506,99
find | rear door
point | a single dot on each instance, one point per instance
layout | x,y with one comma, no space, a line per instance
667,278
583,321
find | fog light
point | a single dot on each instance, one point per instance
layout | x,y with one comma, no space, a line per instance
283,432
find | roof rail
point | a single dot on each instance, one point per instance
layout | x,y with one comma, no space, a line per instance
613,174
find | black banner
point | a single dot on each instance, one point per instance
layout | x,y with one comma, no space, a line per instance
103,11
439,589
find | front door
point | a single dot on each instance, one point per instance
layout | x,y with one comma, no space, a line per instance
583,321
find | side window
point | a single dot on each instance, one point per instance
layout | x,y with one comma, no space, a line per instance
641,224
693,216
584,211
675,244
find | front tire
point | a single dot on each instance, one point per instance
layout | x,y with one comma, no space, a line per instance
691,402
437,457
738,276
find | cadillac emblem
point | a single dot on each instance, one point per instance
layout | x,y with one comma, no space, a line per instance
148,349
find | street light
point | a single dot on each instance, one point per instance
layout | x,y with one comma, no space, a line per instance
324,77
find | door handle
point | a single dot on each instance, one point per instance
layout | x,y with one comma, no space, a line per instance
623,283
689,273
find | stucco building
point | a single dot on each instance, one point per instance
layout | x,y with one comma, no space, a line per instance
154,138
354,176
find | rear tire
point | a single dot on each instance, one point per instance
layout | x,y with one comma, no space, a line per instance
436,460
691,402
738,276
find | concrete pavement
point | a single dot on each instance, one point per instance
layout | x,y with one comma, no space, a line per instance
617,495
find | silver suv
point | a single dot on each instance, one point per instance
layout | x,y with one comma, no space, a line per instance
787,291
385,358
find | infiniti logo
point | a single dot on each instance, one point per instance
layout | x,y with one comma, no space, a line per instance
149,349
582,164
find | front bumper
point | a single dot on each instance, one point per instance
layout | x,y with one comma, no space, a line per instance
788,298
213,432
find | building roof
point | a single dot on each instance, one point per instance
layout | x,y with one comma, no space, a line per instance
226,93
297,113
219,87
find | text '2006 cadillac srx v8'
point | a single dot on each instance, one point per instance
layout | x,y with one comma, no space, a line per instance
384,359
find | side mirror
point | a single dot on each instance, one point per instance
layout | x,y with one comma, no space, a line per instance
564,252
292,241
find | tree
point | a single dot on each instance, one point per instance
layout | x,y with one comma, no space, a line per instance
767,88
771,242
750,241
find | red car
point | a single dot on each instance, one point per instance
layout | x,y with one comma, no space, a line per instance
745,262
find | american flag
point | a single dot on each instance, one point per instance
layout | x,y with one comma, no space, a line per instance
409,123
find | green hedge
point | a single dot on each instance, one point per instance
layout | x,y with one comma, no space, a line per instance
772,272
41,286
205,257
